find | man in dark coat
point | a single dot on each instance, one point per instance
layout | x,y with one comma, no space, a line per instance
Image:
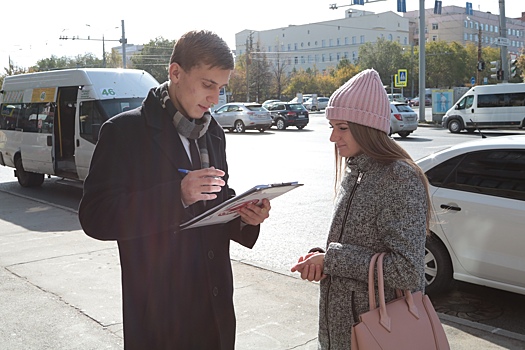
177,286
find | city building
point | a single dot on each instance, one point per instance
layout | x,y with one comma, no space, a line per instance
453,24
322,45
130,51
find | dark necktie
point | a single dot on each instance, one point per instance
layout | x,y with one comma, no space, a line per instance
195,157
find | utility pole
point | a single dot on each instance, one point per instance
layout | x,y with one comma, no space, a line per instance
422,72
123,41
503,34
249,43
479,67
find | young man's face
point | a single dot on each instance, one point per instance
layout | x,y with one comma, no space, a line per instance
194,91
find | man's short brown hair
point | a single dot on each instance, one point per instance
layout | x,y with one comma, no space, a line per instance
202,47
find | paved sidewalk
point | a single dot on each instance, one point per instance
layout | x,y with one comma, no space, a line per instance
60,289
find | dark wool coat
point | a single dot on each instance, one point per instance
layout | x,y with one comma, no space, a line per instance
177,286
385,211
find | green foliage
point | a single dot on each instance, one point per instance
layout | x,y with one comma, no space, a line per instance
155,58
386,57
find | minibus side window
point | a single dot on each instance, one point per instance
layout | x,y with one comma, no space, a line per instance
90,121
469,101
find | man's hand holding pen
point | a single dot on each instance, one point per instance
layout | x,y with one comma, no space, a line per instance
201,185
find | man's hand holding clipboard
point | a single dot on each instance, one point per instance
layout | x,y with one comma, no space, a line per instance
250,205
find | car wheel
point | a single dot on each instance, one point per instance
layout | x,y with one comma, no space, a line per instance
404,134
300,127
26,178
280,124
438,266
313,109
239,126
455,126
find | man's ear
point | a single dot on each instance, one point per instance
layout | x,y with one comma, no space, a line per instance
175,70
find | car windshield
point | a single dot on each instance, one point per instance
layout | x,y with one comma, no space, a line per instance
256,108
296,107
404,108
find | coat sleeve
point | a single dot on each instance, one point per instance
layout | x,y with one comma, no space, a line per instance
401,225
117,204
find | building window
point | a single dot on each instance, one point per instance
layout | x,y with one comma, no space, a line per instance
405,41
471,39
486,27
302,44
323,57
316,58
323,43
362,39
390,38
282,47
466,24
338,56
295,46
296,60
302,60
308,44
346,40
338,42
330,57
434,26
496,30
471,24
331,42
346,54
270,49
354,56
354,40
315,43
289,47
465,36
491,28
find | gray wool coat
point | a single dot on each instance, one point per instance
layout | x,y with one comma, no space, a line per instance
382,211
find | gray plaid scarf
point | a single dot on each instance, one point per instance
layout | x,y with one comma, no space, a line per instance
193,129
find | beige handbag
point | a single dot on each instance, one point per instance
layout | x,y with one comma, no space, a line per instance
408,322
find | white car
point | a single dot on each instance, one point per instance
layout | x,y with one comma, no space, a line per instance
322,103
403,119
478,200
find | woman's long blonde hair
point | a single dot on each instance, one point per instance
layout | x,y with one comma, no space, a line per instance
379,146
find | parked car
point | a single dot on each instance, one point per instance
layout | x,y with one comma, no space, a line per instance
287,114
269,102
395,97
241,116
403,119
478,198
415,101
321,104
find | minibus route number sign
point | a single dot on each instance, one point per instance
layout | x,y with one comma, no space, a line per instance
108,92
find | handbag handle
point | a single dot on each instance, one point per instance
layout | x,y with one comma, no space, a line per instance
384,318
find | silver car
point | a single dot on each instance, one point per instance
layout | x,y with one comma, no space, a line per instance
242,116
403,119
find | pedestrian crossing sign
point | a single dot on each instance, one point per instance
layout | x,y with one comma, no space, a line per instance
401,78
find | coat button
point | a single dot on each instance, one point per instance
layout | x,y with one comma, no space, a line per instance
211,255
215,291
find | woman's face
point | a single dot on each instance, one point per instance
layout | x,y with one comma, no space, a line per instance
343,139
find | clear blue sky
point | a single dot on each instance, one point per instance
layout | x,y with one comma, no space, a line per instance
33,29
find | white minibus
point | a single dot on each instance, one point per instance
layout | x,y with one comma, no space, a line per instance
488,106
49,121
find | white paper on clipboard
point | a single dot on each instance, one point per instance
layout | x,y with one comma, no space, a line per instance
228,210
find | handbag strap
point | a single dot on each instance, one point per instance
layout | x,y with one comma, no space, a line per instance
384,318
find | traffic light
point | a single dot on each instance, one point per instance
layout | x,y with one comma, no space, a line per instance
512,67
494,69
500,74
481,65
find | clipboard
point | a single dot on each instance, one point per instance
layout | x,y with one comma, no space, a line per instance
229,210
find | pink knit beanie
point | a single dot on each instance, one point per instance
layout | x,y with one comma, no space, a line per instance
361,100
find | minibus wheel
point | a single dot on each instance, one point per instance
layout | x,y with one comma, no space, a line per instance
455,126
26,178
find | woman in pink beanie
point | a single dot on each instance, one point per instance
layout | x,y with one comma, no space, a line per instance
382,205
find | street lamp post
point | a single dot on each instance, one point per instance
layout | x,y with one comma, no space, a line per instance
122,40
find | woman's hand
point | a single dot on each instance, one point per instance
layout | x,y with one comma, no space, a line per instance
311,267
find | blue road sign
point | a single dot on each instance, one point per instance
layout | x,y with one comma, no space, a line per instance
472,81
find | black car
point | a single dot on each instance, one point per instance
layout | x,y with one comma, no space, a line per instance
285,114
